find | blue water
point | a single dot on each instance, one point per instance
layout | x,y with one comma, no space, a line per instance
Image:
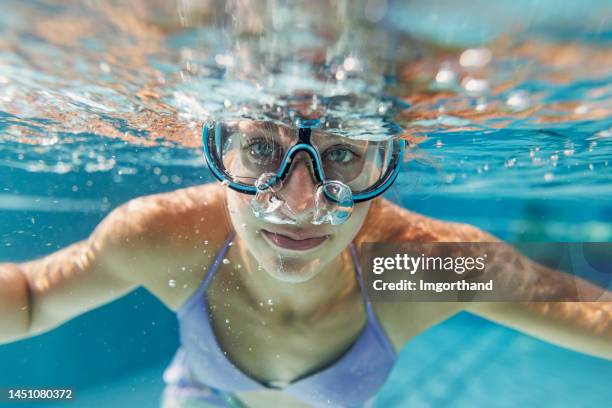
108,108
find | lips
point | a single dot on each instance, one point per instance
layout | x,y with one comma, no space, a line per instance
295,242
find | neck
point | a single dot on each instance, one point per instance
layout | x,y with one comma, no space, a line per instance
333,284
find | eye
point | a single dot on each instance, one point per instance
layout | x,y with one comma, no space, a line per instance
261,149
340,155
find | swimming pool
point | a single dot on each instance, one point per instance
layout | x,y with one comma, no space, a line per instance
100,104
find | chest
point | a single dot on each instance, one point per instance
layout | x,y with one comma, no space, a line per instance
271,343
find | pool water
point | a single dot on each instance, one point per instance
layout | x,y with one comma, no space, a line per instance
510,119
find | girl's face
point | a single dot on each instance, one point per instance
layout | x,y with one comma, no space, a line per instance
293,253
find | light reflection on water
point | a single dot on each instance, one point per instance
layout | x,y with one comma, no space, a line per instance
83,84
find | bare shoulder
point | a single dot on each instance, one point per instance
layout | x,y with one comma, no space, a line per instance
165,216
388,222
165,242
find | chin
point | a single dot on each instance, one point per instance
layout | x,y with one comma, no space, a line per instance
291,270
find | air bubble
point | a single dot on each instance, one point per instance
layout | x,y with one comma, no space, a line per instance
446,77
475,57
267,203
518,101
172,283
226,261
475,85
351,64
333,203
481,105
268,181
383,108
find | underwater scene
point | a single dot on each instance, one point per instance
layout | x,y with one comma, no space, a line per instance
505,108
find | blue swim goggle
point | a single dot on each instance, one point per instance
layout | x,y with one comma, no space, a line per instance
239,152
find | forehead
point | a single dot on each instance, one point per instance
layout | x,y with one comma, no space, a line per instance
265,127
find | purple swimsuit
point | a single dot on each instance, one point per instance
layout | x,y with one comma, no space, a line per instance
201,371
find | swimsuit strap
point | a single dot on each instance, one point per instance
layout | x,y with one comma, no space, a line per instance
199,293
197,296
378,329
215,266
359,275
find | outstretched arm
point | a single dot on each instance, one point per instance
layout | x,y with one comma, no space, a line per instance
39,295
141,243
580,326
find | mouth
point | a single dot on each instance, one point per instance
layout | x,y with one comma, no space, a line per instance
295,242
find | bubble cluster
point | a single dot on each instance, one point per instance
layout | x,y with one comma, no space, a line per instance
333,203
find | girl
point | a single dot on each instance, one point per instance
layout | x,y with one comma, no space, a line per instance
264,274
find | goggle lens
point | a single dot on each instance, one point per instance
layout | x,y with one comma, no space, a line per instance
246,149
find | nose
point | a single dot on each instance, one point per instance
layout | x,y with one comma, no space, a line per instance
299,188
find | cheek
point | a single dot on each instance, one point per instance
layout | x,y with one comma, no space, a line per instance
347,231
360,212
243,219
238,205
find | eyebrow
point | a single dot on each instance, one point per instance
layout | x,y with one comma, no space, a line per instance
272,129
333,139
268,128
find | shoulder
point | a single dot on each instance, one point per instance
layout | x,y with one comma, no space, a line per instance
388,222
153,216
167,216
165,237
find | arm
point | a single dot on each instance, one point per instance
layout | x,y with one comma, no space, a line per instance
580,326
146,241
14,314
39,295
